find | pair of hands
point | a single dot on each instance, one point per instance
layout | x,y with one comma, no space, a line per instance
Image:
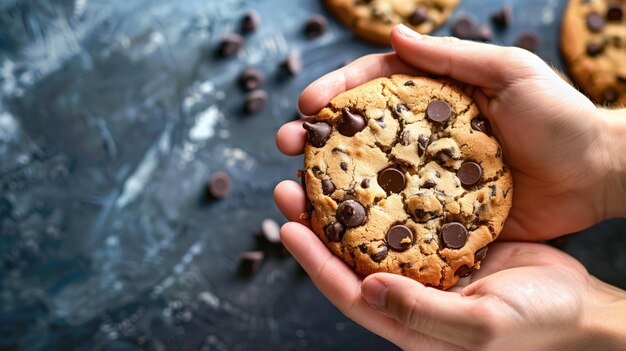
526,295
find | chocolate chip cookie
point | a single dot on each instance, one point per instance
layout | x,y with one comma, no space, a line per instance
593,41
403,175
372,20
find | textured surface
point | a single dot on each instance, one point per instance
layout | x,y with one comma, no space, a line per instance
594,48
427,192
112,118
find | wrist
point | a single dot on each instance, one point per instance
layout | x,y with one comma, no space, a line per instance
604,317
612,157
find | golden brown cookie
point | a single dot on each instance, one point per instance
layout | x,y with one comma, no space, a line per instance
403,175
372,20
593,41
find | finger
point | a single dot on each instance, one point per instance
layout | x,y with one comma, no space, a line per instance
290,138
320,92
342,287
445,315
480,64
290,199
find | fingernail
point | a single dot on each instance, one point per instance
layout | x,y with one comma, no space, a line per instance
375,292
408,32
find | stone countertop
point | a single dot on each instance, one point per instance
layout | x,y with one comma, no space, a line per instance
113,115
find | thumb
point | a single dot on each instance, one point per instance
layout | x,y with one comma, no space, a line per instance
480,64
444,315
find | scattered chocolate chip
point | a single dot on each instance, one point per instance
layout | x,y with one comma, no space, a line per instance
502,17
481,124
483,33
493,190
400,108
365,183
453,235
409,83
363,248
450,152
437,174
610,95
315,26
318,133
270,230
480,254
464,28
335,231
528,41
429,184
464,271
338,150
381,122
594,48
250,21
316,170
615,13
419,16
219,185
328,187
469,173
255,101
344,166
595,22
230,45
399,238
250,79
351,123
292,64
380,254
404,137
506,192
438,111
250,262
391,180
351,214
422,144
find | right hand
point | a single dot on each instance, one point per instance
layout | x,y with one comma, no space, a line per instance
552,136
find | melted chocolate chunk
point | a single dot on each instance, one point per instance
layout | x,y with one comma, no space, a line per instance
351,123
327,187
335,231
351,214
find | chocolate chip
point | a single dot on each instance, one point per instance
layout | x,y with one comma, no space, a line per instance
422,143
344,166
464,271
292,64
438,111
437,174
450,152
316,170
255,101
230,45
481,124
219,185
328,187
270,230
335,231
318,133
409,83
250,79
470,173
493,190
363,248
429,184
315,26
419,16
250,262
380,254
610,95
483,33
498,152
480,254
250,22
594,48
404,137
453,235
528,41
381,122
502,17
365,183
391,180
615,13
399,238
464,28
351,123
595,22
351,214
400,108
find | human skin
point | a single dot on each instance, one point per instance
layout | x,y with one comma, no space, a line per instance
569,170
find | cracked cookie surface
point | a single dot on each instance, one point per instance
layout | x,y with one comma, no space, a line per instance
372,20
593,42
403,175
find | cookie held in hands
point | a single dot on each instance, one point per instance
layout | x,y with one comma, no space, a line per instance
403,175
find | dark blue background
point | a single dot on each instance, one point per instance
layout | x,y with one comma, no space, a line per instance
113,115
